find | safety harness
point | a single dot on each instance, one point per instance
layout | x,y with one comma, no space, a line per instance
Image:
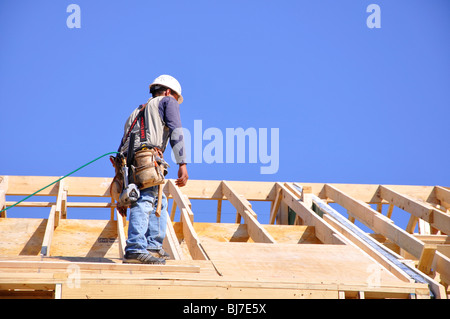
144,167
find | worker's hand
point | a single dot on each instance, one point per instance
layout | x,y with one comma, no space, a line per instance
182,176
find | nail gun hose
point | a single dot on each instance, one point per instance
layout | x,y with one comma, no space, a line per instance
88,163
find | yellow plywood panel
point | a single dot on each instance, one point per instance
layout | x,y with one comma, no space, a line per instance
293,234
222,232
86,238
21,236
228,232
298,263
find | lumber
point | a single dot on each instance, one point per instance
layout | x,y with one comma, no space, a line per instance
187,218
121,233
376,221
443,196
219,210
423,210
62,265
255,230
3,191
49,229
326,256
171,242
276,207
382,225
324,232
191,237
362,240
60,207
426,258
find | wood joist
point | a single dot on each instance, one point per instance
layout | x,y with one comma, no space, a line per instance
187,243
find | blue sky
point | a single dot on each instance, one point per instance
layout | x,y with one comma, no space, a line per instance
352,104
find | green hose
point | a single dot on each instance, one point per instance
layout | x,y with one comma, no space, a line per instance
58,180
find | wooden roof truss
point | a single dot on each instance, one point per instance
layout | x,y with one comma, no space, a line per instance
311,245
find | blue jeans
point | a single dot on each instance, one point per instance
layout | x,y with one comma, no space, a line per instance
145,229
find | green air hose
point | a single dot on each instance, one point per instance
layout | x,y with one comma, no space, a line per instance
88,163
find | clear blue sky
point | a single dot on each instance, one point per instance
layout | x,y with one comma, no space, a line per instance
352,104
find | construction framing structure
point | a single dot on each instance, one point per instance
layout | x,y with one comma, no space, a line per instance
310,247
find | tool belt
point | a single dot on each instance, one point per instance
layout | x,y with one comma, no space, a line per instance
149,168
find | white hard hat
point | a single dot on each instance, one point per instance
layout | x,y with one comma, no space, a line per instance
169,82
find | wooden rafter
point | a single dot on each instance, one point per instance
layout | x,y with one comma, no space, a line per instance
324,231
375,221
254,228
422,210
187,218
384,226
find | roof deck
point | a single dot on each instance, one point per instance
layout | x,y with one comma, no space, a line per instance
308,243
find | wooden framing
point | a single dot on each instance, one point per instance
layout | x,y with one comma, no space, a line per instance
424,211
49,229
3,191
248,259
187,218
255,230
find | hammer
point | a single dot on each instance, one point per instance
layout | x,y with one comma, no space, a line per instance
158,206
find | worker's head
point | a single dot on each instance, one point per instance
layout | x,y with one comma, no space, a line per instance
166,85
160,90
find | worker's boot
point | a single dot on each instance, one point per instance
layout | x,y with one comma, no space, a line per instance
140,258
159,253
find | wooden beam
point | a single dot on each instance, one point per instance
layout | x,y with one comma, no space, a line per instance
121,220
423,210
173,210
324,231
412,223
202,189
426,258
443,196
3,191
254,228
171,244
97,266
384,226
60,211
376,221
2,203
48,235
219,203
424,227
366,243
180,199
191,238
390,210
187,219
68,204
219,210
275,206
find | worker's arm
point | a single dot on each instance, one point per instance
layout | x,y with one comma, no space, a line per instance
170,112
169,109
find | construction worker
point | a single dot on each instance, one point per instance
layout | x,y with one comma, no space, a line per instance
146,231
